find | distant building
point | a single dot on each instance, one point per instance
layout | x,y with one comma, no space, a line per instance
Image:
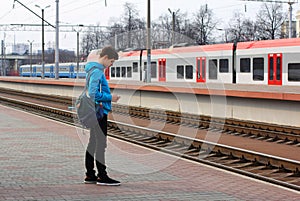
20,49
285,29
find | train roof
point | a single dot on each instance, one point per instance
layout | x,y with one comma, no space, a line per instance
177,50
269,43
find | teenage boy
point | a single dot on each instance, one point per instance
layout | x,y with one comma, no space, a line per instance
99,91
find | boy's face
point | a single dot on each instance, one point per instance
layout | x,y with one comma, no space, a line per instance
108,62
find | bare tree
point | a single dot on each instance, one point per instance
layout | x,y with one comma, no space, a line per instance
86,44
269,21
184,29
132,22
188,30
116,35
95,38
163,28
235,28
204,24
241,29
249,30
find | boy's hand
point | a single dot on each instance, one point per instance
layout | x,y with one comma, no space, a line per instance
115,98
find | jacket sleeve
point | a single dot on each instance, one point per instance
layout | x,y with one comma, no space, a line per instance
105,91
94,87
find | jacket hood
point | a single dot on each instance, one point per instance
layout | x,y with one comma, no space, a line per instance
90,65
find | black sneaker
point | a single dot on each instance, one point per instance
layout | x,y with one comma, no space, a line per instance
90,180
106,181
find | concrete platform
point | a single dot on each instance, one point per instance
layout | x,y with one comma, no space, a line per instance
269,104
286,93
43,160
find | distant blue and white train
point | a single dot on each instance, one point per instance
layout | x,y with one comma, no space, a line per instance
66,70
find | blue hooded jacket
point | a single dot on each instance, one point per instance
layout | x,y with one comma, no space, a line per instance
97,78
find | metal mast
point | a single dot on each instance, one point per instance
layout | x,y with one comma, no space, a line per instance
290,2
57,41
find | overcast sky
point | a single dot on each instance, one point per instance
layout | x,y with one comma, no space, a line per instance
92,12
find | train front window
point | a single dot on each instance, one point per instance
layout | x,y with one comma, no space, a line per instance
294,72
245,65
258,69
224,66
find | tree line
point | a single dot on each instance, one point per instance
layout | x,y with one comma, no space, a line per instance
129,31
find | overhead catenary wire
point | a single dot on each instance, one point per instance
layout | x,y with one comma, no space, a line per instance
34,13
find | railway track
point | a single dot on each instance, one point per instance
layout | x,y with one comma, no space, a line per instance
255,130
277,170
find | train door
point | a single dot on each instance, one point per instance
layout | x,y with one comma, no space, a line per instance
34,71
71,73
107,72
275,69
52,71
200,71
21,72
162,70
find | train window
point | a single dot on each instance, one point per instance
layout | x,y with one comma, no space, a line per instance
203,68
180,72
113,72
24,69
129,71
135,66
294,72
213,69
162,70
118,73
258,69
198,69
278,69
224,66
153,70
123,71
188,72
245,65
271,62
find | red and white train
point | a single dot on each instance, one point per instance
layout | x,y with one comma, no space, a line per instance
270,62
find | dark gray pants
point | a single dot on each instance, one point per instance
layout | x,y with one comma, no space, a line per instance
96,149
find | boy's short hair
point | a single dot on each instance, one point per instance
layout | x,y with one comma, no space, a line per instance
110,52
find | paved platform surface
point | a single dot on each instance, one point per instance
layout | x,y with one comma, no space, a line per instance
43,160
